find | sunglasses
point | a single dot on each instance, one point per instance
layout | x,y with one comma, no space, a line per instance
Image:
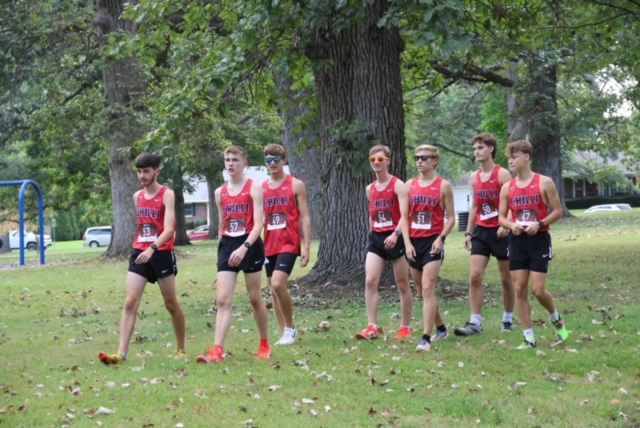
274,159
378,159
424,158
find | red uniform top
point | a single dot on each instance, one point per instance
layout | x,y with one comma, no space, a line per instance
282,219
237,211
486,196
426,215
526,205
384,207
151,221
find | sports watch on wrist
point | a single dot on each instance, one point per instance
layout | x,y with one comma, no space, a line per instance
541,224
398,232
247,244
154,247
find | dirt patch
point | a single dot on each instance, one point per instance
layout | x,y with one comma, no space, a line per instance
321,296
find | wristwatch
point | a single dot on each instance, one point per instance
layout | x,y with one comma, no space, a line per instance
443,238
247,244
154,247
467,234
541,224
398,232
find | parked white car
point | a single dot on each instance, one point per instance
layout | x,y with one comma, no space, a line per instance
95,237
608,207
31,240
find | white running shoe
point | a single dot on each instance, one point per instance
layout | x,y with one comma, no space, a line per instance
288,338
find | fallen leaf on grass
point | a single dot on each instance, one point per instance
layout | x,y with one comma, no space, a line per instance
308,401
172,406
623,391
583,402
274,388
104,411
313,412
517,385
23,408
5,409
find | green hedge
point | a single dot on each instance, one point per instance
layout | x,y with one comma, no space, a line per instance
584,203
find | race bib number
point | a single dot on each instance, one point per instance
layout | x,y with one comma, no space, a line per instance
276,221
488,210
421,220
383,219
235,227
147,233
527,217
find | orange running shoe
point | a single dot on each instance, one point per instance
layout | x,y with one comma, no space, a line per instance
214,356
370,333
111,359
404,333
264,351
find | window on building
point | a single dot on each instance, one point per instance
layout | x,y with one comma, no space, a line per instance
189,210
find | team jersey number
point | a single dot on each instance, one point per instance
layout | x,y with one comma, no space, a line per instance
527,217
421,220
488,210
276,221
383,219
235,227
147,233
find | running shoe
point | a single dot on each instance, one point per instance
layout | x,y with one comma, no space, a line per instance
370,333
288,338
180,355
469,329
527,345
440,335
561,331
507,326
424,346
111,359
264,351
404,333
213,355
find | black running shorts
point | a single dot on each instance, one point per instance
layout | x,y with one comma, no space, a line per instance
253,260
423,252
284,262
530,252
161,265
485,242
376,246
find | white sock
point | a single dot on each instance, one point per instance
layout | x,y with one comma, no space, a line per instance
554,316
528,335
507,317
476,319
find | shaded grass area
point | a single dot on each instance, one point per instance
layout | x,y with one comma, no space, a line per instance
57,318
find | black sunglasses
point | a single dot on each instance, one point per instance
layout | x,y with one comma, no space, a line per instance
424,158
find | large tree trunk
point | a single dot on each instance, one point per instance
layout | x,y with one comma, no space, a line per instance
545,125
212,185
181,237
123,86
359,90
305,167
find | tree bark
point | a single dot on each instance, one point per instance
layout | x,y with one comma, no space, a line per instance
545,125
359,91
181,237
306,167
123,86
212,185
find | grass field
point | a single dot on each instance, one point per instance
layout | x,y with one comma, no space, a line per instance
57,318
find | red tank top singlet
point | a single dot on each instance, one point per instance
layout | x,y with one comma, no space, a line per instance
237,211
486,196
426,215
282,219
384,207
526,204
151,221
